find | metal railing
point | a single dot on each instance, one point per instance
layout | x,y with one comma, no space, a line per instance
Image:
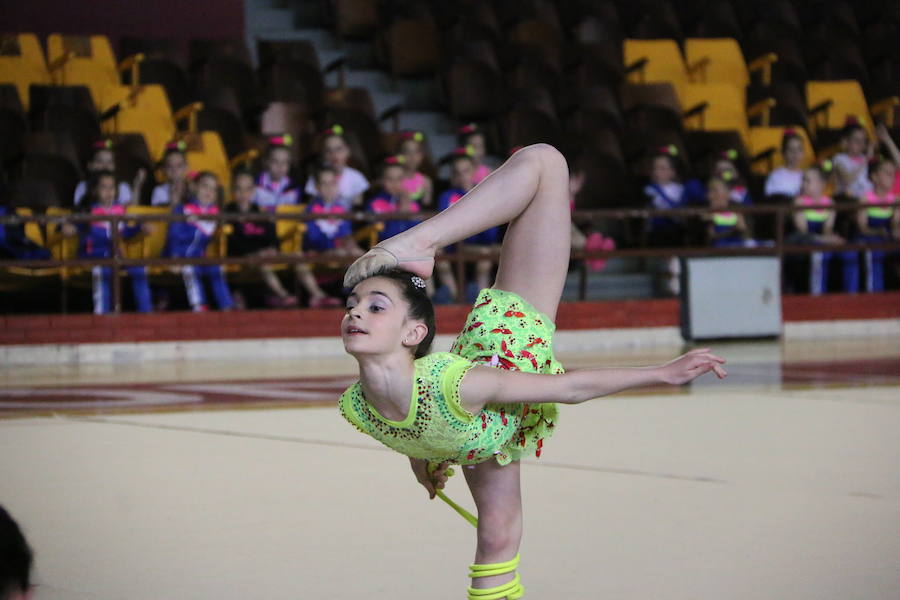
780,247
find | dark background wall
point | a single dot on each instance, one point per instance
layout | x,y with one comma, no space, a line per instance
175,19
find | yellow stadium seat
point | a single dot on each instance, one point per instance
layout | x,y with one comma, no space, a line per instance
149,245
83,60
663,62
22,63
205,152
17,278
721,59
847,100
144,109
289,231
60,246
725,108
32,230
763,139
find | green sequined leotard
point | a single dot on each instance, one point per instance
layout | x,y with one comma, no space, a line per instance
502,330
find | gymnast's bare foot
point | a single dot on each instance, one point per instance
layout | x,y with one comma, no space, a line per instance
395,252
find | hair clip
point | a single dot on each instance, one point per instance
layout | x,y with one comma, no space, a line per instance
789,131
397,159
671,150
826,166
418,282
285,140
464,151
106,144
416,136
468,128
728,176
730,154
335,130
178,145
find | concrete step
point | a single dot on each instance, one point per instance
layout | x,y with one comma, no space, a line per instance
322,39
431,122
385,100
374,81
610,286
360,55
270,19
442,144
421,94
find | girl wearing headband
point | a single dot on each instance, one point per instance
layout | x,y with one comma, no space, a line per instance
490,401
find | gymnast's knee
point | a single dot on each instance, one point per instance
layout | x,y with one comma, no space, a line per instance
497,538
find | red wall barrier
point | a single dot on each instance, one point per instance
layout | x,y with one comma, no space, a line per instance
173,326
157,19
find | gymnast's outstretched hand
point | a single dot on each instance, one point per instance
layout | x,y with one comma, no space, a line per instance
688,367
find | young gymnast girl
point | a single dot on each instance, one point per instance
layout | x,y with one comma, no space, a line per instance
439,410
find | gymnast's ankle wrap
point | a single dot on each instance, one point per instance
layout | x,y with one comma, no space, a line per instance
511,590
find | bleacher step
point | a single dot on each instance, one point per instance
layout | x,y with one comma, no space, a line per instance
610,286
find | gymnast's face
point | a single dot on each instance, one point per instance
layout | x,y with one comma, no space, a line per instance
376,321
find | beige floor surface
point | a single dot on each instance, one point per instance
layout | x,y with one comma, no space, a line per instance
747,491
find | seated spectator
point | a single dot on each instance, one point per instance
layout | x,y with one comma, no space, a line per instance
665,191
787,179
328,237
877,222
334,152
393,198
884,137
815,225
462,172
275,186
95,241
189,239
416,184
103,158
254,238
726,168
851,165
174,190
470,136
16,559
725,228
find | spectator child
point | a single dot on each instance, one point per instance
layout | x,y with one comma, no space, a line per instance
787,179
174,191
470,136
275,186
255,238
393,197
726,168
725,228
852,165
462,178
335,153
815,225
417,185
103,158
884,137
327,236
190,238
877,222
95,241
664,191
